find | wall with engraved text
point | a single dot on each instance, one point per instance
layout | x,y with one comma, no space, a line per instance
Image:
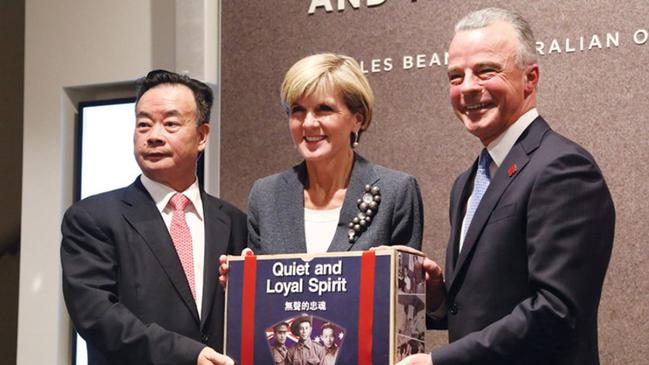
592,89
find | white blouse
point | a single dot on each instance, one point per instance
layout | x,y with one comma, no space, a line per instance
320,228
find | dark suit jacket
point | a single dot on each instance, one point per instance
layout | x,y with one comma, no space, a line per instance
276,210
526,286
125,288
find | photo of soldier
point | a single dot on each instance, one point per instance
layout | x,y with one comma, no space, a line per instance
305,339
328,337
279,349
306,351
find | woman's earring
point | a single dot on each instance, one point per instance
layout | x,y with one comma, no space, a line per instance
355,138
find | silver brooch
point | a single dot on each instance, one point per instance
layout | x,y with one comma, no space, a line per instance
368,204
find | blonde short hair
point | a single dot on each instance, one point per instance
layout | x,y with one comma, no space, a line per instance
326,72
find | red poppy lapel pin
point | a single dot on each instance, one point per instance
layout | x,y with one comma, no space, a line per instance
512,170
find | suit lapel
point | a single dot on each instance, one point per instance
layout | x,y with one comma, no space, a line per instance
292,217
362,174
145,218
217,233
518,156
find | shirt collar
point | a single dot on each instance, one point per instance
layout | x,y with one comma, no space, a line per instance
499,148
161,194
332,349
306,343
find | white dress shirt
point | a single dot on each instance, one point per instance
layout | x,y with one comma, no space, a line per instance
161,195
499,149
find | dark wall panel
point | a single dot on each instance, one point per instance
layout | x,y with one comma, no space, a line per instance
12,49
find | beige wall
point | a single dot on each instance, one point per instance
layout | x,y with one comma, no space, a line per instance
82,50
597,97
67,43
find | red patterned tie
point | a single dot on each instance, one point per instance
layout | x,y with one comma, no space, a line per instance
182,237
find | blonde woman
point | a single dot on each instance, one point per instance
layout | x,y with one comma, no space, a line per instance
335,200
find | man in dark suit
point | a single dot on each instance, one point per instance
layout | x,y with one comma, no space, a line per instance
532,220
140,263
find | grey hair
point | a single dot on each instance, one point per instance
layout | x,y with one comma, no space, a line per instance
485,17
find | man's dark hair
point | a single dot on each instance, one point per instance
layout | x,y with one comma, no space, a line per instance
328,325
280,324
202,93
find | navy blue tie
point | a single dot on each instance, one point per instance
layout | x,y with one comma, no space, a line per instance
480,185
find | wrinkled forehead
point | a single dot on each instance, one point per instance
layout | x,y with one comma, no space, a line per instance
492,44
168,89
168,97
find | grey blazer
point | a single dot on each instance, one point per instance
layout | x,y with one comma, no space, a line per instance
276,211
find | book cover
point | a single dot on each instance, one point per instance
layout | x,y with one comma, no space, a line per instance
334,308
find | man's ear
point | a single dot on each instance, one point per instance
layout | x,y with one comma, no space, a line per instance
531,78
203,131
